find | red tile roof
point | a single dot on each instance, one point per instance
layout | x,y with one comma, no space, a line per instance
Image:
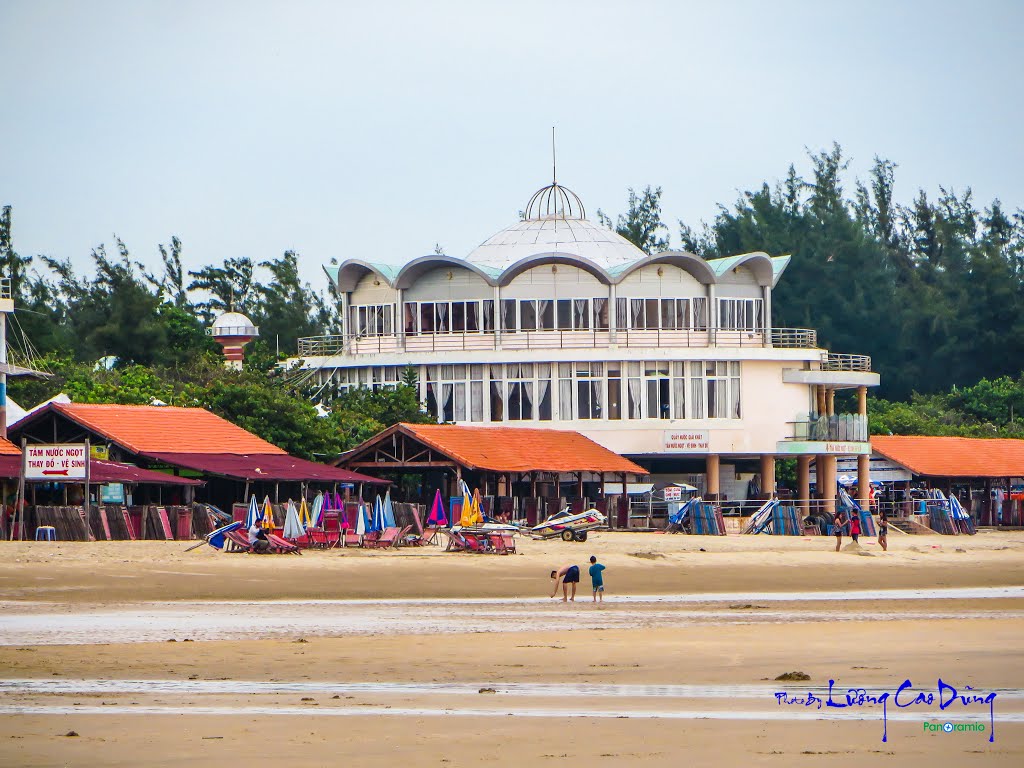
516,449
7,448
953,456
164,428
263,467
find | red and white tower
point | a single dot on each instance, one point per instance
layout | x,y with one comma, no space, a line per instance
233,331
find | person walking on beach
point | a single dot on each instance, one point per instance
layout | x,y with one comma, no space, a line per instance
883,530
838,521
854,526
597,579
566,575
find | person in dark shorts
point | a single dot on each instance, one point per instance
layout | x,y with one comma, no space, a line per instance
838,521
566,575
883,530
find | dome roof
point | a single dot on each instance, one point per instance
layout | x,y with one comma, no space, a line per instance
233,324
551,234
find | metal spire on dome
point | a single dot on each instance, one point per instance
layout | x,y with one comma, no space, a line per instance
554,201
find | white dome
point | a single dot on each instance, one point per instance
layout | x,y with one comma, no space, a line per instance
579,237
233,324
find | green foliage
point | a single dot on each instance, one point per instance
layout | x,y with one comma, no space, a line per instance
641,224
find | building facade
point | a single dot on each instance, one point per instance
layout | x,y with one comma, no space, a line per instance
557,322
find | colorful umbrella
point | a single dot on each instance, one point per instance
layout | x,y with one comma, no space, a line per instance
337,501
361,519
389,511
317,510
437,515
253,515
304,519
377,521
470,511
293,527
268,514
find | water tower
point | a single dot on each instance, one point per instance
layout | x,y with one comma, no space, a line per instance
233,331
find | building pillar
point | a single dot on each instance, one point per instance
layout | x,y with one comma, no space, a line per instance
767,319
827,482
831,403
613,320
863,479
803,484
399,319
768,475
862,401
712,490
712,313
820,395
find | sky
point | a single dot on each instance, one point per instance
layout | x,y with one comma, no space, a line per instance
376,130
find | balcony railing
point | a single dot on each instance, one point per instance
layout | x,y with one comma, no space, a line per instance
842,427
833,362
330,346
5,288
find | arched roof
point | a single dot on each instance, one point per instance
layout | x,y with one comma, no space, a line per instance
687,262
540,259
758,262
348,275
417,267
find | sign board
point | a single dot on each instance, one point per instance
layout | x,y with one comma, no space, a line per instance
112,493
673,493
881,471
823,447
101,452
55,462
686,441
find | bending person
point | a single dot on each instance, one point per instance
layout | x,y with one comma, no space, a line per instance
566,575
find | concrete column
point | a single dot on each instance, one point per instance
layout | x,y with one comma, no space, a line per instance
827,482
399,319
862,401
831,396
613,320
768,475
712,312
767,315
713,464
820,393
497,317
803,483
863,479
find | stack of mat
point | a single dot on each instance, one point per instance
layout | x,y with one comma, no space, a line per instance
68,523
785,522
706,520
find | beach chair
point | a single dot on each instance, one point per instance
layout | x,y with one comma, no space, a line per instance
427,537
508,541
350,538
385,540
318,538
456,543
234,541
497,542
403,535
281,546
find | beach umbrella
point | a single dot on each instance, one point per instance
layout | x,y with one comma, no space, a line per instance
304,519
377,521
253,515
268,514
327,506
293,527
361,519
316,511
389,511
478,504
343,521
338,504
437,515
470,516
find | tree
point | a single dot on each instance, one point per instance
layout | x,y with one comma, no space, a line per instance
641,224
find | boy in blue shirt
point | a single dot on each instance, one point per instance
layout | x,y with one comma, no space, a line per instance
597,579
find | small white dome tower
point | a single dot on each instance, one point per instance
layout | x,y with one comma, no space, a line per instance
233,331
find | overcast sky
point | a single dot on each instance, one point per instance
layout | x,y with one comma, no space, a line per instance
377,129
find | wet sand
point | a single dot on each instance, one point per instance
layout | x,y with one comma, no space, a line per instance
485,628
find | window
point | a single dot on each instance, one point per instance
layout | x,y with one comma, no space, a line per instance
700,313
600,314
544,410
446,316
520,391
589,386
476,393
658,390
697,390
528,315
488,315
633,391
508,315
497,394
371,319
614,392
717,375
662,314
446,392
572,314
565,392
740,314
679,390
734,390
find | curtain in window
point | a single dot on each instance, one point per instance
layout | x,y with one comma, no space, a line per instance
447,391
497,401
580,316
636,313
600,314
700,313
488,315
528,315
545,315
596,398
460,402
718,402
527,387
621,314
472,316
635,409
442,317
544,399
565,399
679,394
734,397
697,390
476,401
508,315
432,401
668,314
410,318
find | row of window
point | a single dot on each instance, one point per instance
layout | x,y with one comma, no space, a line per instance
429,317
567,391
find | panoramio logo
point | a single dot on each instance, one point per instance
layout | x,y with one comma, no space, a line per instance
954,727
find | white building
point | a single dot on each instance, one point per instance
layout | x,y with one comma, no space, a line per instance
558,322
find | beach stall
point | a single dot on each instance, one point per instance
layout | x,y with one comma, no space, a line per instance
521,473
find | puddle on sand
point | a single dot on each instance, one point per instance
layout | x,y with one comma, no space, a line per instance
240,621
377,711
599,690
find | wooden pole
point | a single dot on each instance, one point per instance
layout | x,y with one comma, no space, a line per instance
86,505
19,508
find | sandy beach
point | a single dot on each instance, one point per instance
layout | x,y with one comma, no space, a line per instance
419,657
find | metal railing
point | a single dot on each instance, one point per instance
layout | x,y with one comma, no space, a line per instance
834,362
329,346
233,330
841,427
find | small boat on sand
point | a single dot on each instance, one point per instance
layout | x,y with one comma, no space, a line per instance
568,525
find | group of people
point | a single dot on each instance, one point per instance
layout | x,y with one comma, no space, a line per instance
569,576
840,520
